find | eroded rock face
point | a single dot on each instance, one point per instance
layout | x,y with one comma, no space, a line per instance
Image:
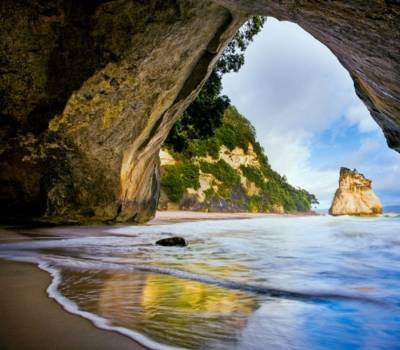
196,199
355,195
90,89
89,92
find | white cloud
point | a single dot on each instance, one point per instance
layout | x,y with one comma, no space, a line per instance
357,114
379,163
293,150
291,80
289,153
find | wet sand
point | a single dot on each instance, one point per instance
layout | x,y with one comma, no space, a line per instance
168,217
29,320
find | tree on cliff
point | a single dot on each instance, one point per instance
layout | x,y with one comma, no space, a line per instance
210,122
206,112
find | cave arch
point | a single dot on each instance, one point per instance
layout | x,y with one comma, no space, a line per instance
81,143
364,36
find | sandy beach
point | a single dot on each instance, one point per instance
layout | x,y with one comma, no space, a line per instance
170,216
30,320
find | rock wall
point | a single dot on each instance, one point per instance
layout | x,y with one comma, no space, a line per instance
89,92
90,89
355,195
198,199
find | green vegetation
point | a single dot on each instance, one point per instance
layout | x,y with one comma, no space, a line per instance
211,122
205,113
274,190
254,204
222,171
235,131
202,148
171,183
175,179
254,174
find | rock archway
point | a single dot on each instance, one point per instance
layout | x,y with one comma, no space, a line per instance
89,90
363,35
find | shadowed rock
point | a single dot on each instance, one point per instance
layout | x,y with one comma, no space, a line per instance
89,90
172,241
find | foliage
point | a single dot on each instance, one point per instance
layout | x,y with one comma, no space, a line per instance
210,122
254,174
205,113
254,204
177,178
202,117
227,136
236,131
275,190
203,147
233,57
209,193
222,171
172,184
279,192
190,175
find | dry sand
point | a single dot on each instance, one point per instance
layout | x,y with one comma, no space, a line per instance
166,217
29,320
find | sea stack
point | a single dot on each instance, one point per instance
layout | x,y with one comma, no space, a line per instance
355,195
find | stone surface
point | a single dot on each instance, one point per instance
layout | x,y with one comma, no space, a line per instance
90,89
196,199
172,241
355,195
239,156
166,158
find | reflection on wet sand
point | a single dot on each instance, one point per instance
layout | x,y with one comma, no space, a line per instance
346,270
165,308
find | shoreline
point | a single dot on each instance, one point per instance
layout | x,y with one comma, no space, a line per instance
32,321
176,216
32,318
161,217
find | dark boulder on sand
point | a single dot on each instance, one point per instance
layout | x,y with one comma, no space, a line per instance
172,241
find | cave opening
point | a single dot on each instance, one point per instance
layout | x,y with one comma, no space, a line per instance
306,114
88,96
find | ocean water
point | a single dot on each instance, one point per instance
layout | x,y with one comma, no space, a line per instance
270,283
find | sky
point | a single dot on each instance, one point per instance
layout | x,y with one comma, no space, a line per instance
307,115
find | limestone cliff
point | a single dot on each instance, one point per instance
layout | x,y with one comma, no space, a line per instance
355,195
226,172
90,89
88,92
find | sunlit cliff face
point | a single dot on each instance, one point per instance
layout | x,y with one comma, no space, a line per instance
355,195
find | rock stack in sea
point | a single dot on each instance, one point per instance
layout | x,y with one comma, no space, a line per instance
355,195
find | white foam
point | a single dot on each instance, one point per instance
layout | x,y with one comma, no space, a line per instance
254,240
71,307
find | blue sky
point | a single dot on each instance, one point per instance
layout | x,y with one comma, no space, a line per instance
307,116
